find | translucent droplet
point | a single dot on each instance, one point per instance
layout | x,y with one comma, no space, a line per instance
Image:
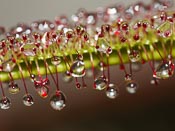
164,70
103,46
28,100
100,83
5,103
112,91
128,77
67,77
56,60
131,87
129,13
61,21
32,77
29,49
43,25
78,85
77,69
42,87
58,101
124,26
43,91
91,18
8,65
134,55
112,13
19,29
102,66
13,88
165,29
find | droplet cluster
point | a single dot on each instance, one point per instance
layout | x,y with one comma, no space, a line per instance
86,44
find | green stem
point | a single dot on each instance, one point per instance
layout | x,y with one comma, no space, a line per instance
113,60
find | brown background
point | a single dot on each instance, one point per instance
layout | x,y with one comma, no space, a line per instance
150,109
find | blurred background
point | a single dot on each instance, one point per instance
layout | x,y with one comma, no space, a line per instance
151,108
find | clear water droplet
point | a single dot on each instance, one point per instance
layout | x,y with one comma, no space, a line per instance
100,83
128,77
102,66
43,25
29,49
8,65
103,46
13,87
164,70
165,29
5,103
131,87
112,13
77,69
91,18
112,91
43,91
67,77
56,60
42,87
134,55
19,29
28,100
78,85
32,77
58,101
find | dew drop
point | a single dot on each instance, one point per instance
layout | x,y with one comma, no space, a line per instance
28,100
61,22
128,77
43,91
56,60
124,26
100,83
13,87
91,18
58,101
102,66
8,65
112,13
42,87
19,29
103,46
134,55
5,103
43,25
67,77
77,69
164,70
32,77
112,91
106,28
131,87
78,85
28,49
165,29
